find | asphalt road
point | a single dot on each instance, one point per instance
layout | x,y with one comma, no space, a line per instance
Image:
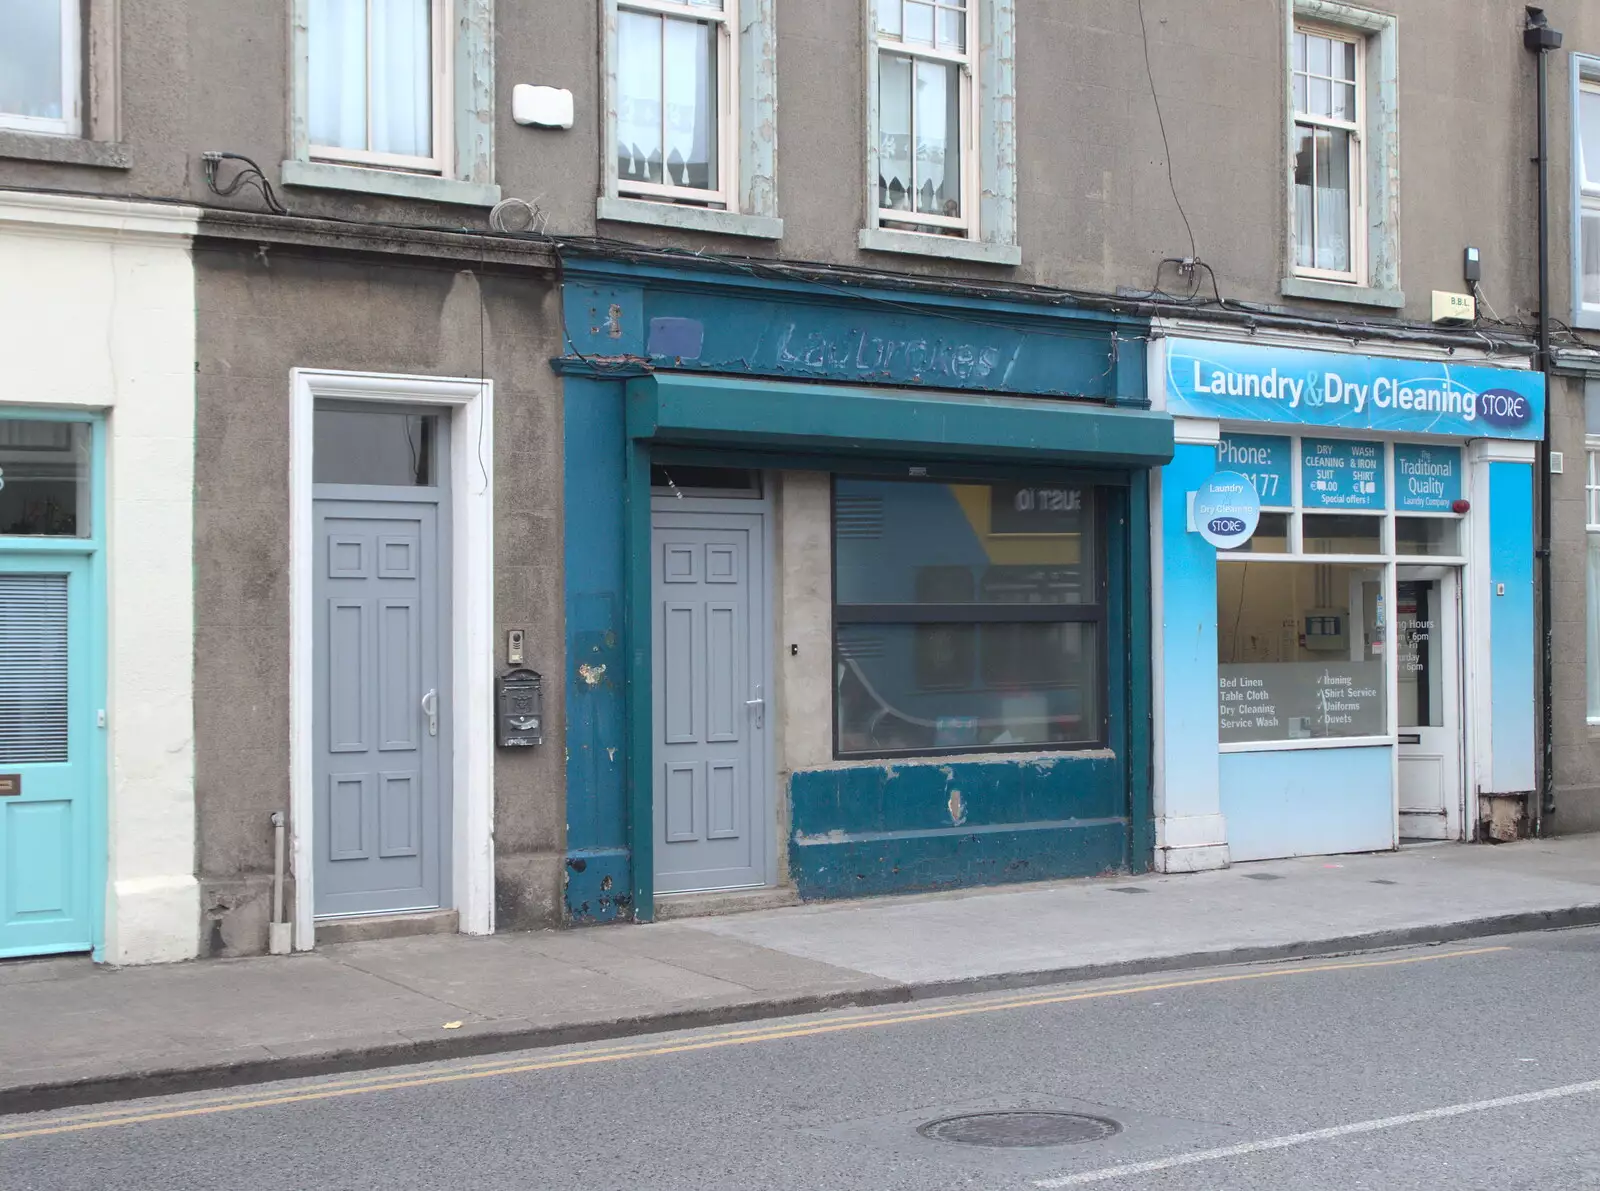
1446,1067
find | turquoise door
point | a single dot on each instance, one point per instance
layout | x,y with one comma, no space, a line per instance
47,730
52,683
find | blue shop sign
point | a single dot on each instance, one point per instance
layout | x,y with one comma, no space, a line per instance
1251,383
1336,474
1426,479
1264,460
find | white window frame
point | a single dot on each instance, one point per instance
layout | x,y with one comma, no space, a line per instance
1591,517
748,132
1585,198
990,156
71,123
1379,259
912,222
441,89
725,197
461,169
1357,274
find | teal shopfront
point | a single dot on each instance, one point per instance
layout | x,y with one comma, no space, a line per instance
857,587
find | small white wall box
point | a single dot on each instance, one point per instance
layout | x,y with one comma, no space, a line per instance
1453,308
543,107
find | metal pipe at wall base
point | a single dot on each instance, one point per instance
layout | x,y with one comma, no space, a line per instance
278,935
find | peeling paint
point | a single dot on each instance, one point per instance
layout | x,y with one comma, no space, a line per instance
958,812
591,675
611,754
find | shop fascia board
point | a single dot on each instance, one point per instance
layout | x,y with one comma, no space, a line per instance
860,421
593,265
1342,340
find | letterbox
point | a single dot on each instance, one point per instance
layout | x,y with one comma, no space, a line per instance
521,708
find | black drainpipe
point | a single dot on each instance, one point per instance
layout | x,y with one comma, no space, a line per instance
1540,38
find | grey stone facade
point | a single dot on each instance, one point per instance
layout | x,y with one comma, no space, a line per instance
391,284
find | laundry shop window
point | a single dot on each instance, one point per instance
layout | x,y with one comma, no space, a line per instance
968,617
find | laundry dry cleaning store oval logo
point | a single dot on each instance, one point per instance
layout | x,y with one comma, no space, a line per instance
1505,408
1227,509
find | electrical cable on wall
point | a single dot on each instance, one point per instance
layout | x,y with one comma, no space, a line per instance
249,175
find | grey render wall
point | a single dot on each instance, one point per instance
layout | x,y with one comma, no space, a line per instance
261,314
1577,744
1095,208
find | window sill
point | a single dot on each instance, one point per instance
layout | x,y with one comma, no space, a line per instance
64,150
326,175
877,239
1338,291
1588,319
687,218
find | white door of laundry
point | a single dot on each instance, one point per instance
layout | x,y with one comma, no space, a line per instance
1428,648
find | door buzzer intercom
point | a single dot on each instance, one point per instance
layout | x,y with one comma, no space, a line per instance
520,703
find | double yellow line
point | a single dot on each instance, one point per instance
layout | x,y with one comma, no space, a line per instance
394,1081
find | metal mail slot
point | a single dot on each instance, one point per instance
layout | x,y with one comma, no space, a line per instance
1411,738
10,785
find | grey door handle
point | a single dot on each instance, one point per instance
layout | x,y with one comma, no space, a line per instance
759,704
430,708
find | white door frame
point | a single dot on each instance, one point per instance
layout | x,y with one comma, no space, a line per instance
471,631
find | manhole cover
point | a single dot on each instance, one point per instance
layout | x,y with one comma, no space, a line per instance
1015,1129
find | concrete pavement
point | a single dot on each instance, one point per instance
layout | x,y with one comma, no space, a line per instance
73,1033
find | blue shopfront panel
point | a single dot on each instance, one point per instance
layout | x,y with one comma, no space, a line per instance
1187,687
1512,636
1308,802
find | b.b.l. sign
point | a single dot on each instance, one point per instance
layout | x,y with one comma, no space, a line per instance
1254,383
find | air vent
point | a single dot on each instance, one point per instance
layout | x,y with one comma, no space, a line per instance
858,516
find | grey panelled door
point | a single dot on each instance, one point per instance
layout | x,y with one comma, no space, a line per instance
713,800
381,747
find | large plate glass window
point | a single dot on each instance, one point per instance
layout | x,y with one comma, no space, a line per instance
1300,651
379,82
925,116
968,617
676,74
1326,84
40,77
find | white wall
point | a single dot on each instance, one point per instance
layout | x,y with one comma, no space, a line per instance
97,311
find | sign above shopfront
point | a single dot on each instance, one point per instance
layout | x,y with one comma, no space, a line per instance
1321,389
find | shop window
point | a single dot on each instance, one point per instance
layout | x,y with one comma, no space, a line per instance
40,66
1300,651
968,617
1303,638
690,139
940,146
